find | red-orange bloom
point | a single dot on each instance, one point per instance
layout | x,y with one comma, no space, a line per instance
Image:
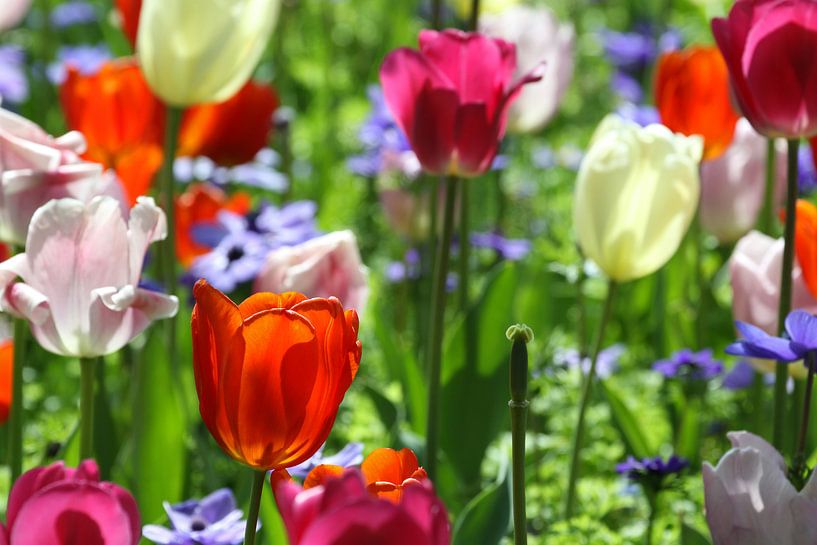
121,120
805,243
692,96
6,367
129,13
271,372
201,203
232,132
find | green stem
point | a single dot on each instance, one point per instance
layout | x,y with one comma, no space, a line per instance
474,20
800,453
575,460
465,245
766,221
781,374
581,321
519,414
653,505
16,413
436,327
255,505
86,409
436,14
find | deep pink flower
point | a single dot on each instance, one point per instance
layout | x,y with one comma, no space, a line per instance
342,512
61,506
451,98
769,48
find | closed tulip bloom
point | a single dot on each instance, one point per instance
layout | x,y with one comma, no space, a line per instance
733,185
271,372
749,499
202,51
58,505
326,266
636,194
80,276
128,12
769,49
692,96
538,36
451,98
12,12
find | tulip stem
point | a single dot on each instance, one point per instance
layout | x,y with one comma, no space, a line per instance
520,335
575,460
16,412
255,505
86,409
474,21
800,454
653,507
766,223
784,306
436,329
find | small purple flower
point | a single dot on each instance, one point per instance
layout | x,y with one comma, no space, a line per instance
350,455
75,12
626,87
807,173
88,59
642,114
408,269
260,172
801,331
289,225
606,363
741,376
214,520
508,248
690,365
651,469
630,51
13,80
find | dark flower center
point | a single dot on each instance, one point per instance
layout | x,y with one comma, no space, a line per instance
198,524
235,253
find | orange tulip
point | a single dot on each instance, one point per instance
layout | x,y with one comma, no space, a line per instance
271,372
232,132
129,15
121,120
692,96
201,203
6,367
805,243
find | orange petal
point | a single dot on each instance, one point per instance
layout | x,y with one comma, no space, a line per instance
266,301
6,374
321,474
805,243
384,465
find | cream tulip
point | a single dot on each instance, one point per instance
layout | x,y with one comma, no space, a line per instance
636,194
201,51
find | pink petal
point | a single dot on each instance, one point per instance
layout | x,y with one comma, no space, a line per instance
433,136
29,484
147,224
365,522
477,140
428,512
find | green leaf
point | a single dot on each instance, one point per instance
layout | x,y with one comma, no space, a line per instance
628,426
689,433
386,410
272,527
691,536
487,518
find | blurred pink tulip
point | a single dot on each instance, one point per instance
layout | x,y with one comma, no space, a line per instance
80,290
750,501
451,98
733,185
12,12
58,505
326,266
538,36
342,512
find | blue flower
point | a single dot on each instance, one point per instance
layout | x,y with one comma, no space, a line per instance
507,248
741,376
651,469
806,171
88,59
13,80
606,363
350,455
643,114
691,365
260,172
75,12
801,331
214,520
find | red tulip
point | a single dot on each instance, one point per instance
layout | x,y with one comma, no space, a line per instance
769,48
451,98
271,372
129,17
6,377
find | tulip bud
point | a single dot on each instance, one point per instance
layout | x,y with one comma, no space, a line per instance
520,335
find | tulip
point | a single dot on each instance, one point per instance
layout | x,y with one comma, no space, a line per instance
805,243
233,132
326,266
451,98
768,46
692,96
128,11
292,360
538,35
6,378
341,511
733,185
749,499
62,506
80,276
121,120
12,12
202,51
636,194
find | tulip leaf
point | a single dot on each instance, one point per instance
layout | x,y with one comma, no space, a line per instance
628,426
159,431
691,536
475,389
272,527
487,518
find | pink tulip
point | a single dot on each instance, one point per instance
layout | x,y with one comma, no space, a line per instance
733,185
451,98
769,49
12,12
56,505
538,35
750,501
326,266
80,290
342,512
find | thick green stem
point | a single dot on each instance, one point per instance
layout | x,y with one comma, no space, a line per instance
86,409
436,329
782,375
465,245
436,14
518,371
255,505
766,220
575,460
800,453
15,429
653,506
474,20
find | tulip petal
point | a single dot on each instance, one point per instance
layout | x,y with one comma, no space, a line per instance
267,301
28,484
476,137
147,224
428,511
321,474
433,134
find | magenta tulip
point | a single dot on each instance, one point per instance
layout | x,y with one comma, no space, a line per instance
342,512
58,505
451,98
769,48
